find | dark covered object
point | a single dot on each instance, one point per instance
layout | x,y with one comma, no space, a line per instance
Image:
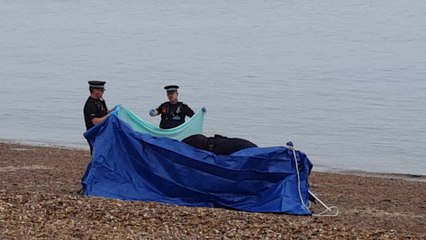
218,144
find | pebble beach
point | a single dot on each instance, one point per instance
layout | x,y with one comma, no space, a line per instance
39,200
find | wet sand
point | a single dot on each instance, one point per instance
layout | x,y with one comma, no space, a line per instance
39,200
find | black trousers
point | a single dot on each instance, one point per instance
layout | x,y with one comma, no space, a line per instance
91,147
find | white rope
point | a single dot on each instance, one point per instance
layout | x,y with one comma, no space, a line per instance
298,176
328,209
328,212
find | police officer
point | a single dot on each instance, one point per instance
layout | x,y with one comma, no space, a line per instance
95,109
173,112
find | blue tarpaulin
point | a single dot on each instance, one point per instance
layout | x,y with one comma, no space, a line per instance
129,165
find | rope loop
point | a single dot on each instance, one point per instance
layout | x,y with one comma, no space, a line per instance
332,211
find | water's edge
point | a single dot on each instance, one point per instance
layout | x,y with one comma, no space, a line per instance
323,169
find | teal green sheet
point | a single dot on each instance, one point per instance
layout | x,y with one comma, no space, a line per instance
193,125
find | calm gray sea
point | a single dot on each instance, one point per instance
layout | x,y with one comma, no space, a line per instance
344,80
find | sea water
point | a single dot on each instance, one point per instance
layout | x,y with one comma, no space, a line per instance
343,80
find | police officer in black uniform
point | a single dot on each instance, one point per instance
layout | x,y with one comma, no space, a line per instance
173,112
95,109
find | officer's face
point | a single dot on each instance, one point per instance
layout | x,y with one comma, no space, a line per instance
99,92
172,96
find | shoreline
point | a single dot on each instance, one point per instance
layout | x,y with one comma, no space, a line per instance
405,176
39,200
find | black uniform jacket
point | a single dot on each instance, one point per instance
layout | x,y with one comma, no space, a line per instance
94,108
173,115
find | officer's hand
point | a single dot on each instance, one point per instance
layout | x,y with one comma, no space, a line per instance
115,107
153,112
204,109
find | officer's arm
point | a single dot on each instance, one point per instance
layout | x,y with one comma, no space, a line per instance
93,112
189,111
156,111
97,120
